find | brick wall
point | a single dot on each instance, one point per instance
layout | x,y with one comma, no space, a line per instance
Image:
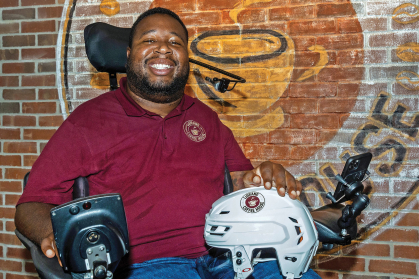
346,83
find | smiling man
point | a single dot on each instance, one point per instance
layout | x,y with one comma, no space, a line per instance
163,151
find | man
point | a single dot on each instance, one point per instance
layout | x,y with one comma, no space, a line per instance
163,151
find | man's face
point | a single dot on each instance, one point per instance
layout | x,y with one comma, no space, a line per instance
158,62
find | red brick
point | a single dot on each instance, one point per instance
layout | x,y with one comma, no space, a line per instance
335,10
327,275
19,120
19,94
45,67
10,186
37,134
16,173
349,25
394,267
251,16
19,147
299,105
293,136
13,160
312,90
201,18
292,12
312,27
357,276
40,107
409,219
17,41
29,267
7,212
368,249
18,14
38,53
19,276
9,81
38,80
9,133
7,107
406,252
50,12
10,226
37,2
47,39
340,42
343,264
10,68
206,5
302,152
47,94
8,239
314,121
392,39
11,199
51,121
398,235
9,3
7,265
8,28
29,160
302,43
9,54
383,202
342,73
271,152
38,26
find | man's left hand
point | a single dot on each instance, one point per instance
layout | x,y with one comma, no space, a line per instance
271,175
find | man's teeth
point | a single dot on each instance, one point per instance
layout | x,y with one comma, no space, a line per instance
160,66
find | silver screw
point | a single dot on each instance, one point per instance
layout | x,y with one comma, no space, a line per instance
101,248
89,251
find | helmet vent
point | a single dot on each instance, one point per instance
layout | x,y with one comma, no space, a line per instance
299,240
224,212
219,234
298,230
294,220
227,229
213,228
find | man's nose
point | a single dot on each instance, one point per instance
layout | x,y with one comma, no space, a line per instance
163,48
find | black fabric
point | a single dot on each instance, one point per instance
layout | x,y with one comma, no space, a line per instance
106,46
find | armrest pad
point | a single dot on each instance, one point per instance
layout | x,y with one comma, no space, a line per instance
47,268
326,220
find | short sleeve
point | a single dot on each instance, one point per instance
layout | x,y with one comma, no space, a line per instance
234,156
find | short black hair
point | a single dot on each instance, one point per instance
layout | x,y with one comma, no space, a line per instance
157,10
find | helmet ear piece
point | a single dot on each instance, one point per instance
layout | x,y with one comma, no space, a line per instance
258,225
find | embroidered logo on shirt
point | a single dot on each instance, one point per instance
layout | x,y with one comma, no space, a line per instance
194,131
252,202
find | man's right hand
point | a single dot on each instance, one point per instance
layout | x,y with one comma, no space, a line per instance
49,248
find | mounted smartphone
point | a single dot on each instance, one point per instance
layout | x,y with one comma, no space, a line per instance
354,170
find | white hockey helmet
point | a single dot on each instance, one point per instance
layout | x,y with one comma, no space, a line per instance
253,219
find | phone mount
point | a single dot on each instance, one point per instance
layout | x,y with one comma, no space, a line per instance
360,201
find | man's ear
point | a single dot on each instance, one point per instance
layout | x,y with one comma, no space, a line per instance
128,51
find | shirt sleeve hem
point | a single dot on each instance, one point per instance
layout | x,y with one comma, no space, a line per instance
42,199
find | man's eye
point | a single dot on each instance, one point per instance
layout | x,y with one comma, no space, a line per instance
149,41
175,43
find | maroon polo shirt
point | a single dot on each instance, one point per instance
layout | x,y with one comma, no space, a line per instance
168,170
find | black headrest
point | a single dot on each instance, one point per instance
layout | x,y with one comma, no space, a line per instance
106,46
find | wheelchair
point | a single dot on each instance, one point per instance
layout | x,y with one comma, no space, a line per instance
95,238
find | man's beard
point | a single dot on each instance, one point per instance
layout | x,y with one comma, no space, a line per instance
158,92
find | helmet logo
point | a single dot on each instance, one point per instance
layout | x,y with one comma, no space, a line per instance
252,202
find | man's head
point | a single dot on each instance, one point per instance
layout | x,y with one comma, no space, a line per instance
158,62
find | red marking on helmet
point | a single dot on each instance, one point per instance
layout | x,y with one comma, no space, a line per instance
246,270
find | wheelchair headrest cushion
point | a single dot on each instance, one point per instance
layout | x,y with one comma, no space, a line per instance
106,46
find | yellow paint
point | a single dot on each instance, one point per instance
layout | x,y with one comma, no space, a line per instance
406,79
110,7
409,52
324,59
242,5
399,15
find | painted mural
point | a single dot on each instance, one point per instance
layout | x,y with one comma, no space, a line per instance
316,92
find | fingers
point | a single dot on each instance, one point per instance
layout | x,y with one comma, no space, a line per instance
49,248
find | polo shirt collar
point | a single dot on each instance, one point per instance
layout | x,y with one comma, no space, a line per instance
131,108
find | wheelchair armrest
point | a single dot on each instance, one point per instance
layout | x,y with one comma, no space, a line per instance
47,268
326,220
